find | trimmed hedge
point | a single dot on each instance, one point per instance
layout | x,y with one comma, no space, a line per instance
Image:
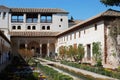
55,75
99,70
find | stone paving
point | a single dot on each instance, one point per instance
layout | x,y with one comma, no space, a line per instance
79,70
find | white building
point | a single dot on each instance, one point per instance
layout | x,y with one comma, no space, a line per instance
4,51
45,30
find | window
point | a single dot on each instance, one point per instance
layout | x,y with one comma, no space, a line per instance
46,18
43,27
31,18
95,26
49,19
75,35
48,27
79,34
17,18
28,27
33,27
71,37
59,25
19,27
13,27
61,19
43,19
84,31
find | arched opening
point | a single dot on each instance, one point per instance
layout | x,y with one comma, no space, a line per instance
34,46
44,50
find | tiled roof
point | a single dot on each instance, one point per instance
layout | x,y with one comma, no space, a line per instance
35,10
111,12
33,33
38,10
108,13
3,36
3,7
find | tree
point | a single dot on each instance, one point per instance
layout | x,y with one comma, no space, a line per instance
111,2
97,53
62,51
81,52
26,54
71,51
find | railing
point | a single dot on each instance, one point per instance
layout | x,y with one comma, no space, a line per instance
45,21
17,20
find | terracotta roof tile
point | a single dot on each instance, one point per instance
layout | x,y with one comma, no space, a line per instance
3,36
111,12
3,7
108,13
33,33
39,10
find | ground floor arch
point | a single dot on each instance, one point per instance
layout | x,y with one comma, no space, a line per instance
41,47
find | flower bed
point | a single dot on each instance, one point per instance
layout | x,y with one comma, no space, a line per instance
17,71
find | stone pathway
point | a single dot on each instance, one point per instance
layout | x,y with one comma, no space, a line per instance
79,70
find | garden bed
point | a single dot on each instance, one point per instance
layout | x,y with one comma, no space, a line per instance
99,70
53,74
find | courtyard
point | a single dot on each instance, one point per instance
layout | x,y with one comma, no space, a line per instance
51,69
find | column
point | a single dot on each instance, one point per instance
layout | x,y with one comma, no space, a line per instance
40,49
1,15
24,18
10,28
25,45
38,18
48,51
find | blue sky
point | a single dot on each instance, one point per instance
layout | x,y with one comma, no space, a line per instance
79,9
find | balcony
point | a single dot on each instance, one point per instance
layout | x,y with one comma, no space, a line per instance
17,20
45,21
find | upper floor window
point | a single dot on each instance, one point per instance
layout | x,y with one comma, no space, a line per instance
59,25
32,18
43,27
79,34
17,18
48,27
29,27
33,27
71,37
75,35
61,19
13,27
19,27
84,31
0,14
46,19
95,26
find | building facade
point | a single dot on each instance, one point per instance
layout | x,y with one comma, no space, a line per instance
45,30
33,28
5,49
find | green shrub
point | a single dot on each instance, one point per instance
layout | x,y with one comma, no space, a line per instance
55,75
96,69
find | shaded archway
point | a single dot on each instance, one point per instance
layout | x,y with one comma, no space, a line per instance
34,46
44,50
